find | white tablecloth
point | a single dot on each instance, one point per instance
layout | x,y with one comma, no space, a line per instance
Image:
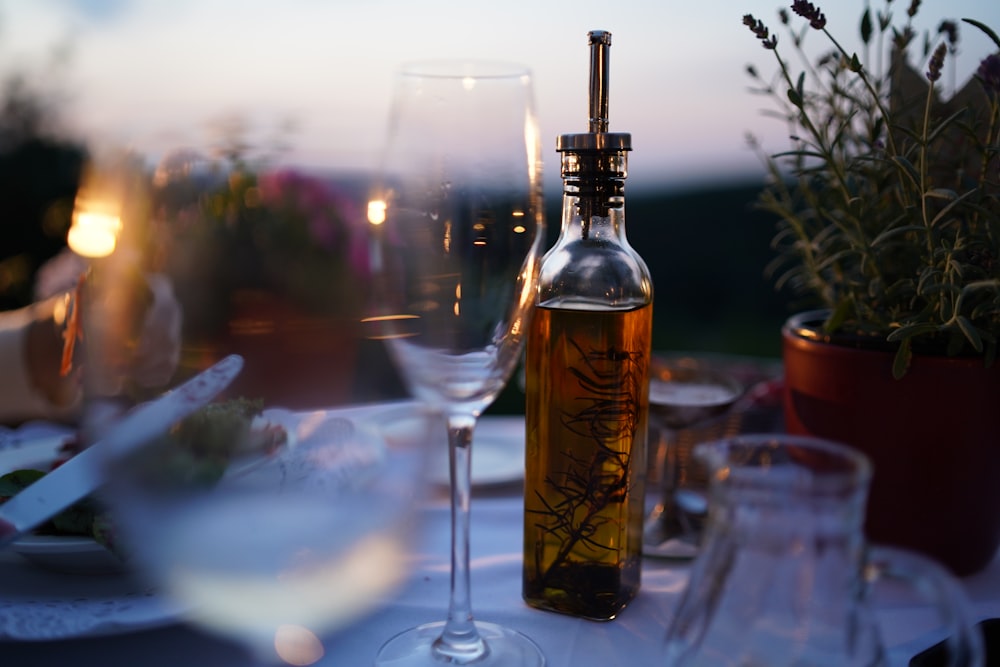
635,638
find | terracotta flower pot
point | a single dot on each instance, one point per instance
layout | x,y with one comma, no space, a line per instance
933,436
293,359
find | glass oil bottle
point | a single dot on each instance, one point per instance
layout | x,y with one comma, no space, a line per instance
587,384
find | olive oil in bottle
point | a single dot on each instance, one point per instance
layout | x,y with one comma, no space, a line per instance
587,385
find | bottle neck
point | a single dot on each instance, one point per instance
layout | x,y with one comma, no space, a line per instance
592,214
592,266
594,193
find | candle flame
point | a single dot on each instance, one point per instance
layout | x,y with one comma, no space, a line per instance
376,211
94,233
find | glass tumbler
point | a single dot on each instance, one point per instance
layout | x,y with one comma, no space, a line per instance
785,574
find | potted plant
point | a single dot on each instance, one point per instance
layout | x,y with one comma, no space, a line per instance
269,263
888,209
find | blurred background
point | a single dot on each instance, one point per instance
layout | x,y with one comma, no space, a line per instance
305,84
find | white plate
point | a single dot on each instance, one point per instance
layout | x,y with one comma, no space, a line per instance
82,555
22,450
40,604
77,555
497,453
56,602
68,554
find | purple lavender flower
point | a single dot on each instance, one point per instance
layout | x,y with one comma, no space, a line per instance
758,28
989,73
950,30
936,62
810,12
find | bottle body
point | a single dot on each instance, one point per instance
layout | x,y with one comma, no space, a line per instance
586,410
586,449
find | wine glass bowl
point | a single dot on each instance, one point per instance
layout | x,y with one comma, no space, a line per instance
456,257
311,532
460,239
685,392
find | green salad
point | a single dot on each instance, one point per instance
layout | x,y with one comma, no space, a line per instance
196,451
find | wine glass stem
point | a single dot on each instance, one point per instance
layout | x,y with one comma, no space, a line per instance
460,641
669,470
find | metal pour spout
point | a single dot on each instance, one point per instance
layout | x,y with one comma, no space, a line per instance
598,138
600,52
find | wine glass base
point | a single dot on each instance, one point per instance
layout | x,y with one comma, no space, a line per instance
671,549
671,533
414,648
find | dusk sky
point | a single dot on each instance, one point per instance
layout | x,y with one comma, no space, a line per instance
158,75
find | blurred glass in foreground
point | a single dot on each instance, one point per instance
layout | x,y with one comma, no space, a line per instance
274,528
267,516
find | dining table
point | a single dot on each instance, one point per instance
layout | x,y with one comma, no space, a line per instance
57,619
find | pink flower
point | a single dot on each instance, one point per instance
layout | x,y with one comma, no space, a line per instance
323,230
273,185
331,219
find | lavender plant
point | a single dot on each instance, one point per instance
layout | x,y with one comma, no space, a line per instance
888,199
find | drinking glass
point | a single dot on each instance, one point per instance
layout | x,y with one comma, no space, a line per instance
684,393
785,576
273,527
458,254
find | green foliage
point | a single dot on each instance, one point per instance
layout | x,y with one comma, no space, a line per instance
196,452
16,481
40,167
75,520
888,199
234,231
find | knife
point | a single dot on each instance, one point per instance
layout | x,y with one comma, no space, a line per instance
83,474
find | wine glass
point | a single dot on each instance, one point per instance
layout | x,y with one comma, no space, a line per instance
458,254
281,551
273,527
684,392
